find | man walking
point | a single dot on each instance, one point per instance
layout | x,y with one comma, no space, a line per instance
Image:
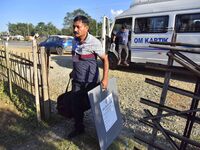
85,50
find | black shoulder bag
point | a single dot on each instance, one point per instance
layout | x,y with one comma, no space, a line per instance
64,103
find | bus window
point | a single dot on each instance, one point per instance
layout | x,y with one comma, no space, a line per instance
151,24
187,23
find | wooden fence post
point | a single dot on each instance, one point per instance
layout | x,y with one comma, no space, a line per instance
8,68
37,100
45,92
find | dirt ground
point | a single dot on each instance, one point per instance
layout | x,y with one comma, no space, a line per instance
18,49
21,49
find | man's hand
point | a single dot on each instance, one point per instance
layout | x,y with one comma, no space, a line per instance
104,80
104,84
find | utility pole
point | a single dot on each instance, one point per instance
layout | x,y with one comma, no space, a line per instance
28,29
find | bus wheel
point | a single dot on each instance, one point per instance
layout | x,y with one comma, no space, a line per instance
113,60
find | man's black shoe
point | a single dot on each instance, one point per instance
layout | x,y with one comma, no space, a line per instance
75,133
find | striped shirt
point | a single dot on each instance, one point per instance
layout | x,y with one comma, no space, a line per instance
86,70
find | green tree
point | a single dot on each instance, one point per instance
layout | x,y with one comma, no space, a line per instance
30,29
4,33
66,31
51,29
99,29
20,28
46,29
68,22
40,28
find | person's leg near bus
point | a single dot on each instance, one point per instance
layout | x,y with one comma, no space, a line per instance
120,54
127,53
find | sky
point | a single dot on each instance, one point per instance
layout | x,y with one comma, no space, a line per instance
54,11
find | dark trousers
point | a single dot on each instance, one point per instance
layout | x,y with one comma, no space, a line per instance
80,101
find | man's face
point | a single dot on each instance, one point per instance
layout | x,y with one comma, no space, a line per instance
80,29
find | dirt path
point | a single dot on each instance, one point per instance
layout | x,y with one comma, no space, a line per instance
131,87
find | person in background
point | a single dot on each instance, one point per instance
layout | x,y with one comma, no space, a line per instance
122,41
85,74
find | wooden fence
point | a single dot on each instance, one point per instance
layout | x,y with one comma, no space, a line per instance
27,71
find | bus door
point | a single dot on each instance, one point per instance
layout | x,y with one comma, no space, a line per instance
107,38
105,35
187,27
117,27
150,29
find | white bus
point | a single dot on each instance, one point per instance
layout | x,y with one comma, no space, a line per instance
155,20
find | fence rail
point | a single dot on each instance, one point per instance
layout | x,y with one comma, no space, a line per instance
190,116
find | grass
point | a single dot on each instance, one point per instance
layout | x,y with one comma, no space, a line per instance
19,121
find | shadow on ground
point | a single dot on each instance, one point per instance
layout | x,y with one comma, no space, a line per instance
18,133
63,61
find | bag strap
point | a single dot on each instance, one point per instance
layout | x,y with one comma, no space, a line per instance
68,85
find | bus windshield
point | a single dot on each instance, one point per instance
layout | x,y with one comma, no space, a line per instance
120,22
